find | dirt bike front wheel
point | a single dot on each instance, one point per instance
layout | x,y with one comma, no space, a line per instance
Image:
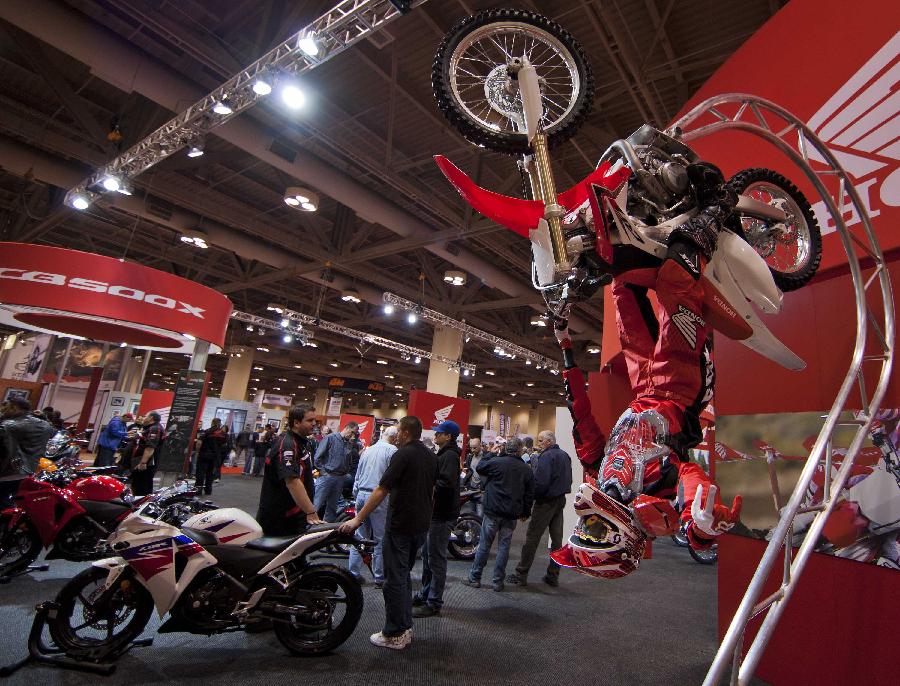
474,89
792,250
91,617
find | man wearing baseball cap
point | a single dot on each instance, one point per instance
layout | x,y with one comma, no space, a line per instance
428,601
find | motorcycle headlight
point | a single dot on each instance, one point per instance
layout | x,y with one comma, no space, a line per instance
56,444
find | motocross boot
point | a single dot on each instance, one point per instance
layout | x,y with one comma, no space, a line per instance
637,439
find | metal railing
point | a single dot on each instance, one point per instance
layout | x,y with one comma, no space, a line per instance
757,116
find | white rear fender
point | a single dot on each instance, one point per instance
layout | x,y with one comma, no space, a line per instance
747,270
296,549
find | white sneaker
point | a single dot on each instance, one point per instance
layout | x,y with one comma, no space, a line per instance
392,642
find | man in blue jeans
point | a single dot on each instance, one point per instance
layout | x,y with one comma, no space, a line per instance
409,480
372,465
333,463
508,495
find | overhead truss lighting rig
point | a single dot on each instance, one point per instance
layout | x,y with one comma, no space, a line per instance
290,331
294,322
349,22
502,347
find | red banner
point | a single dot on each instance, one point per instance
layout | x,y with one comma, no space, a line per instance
432,409
366,426
103,298
846,90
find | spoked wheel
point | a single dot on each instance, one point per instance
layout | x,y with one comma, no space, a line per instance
20,545
464,537
705,557
680,538
792,250
476,92
88,617
336,607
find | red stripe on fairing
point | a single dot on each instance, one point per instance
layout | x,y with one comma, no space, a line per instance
225,539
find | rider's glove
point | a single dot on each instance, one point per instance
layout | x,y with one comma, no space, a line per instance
716,202
711,518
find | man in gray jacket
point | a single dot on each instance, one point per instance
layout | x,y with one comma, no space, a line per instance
552,481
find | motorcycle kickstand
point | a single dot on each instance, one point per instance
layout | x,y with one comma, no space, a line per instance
41,653
40,567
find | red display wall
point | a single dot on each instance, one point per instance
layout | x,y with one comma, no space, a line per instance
836,628
433,408
366,425
153,400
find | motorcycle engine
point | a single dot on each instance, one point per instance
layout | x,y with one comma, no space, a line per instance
209,603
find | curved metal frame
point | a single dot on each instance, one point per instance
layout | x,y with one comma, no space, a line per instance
751,118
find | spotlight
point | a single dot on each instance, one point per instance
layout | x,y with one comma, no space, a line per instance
417,359
261,86
111,183
309,45
196,148
222,107
285,323
466,372
412,318
196,238
287,338
292,96
389,309
335,363
351,295
125,188
593,349
80,201
455,278
249,328
528,362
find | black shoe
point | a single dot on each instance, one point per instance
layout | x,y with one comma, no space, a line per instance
498,586
472,583
516,580
551,580
426,611
379,585
418,601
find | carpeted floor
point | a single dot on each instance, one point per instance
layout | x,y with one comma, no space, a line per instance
654,627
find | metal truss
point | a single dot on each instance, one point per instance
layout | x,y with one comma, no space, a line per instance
296,320
775,125
347,23
508,348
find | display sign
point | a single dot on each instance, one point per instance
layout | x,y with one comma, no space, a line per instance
284,400
334,405
432,409
848,97
366,424
181,426
344,383
102,298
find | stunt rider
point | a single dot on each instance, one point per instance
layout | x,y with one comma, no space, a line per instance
639,469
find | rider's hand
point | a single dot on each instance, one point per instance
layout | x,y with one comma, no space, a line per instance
313,518
140,467
712,518
349,526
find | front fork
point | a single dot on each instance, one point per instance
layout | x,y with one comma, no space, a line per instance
543,187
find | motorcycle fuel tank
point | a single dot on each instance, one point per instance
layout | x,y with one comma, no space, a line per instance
97,488
230,525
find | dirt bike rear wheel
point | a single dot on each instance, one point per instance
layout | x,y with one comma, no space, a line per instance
465,536
342,593
469,78
793,255
705,557
81,623
19,547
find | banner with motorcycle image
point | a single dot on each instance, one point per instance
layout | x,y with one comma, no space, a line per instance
181,427
757,455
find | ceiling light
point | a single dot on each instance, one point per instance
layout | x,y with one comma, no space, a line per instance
222,107
254,379
301,387
249,327
490,372
466,372
298,366
125,188
80,201
335,363
380,361
285,323
261,86
111,183
455,278
513,394
412,318
479,385
530,384
538,320
389,309
309,45
302,198
196,237
287,338
314,378
351,295
292,96
417,359
399,385
259,369
311,344
388,376
262,348
593,349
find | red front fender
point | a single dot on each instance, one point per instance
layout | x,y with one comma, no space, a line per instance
14,514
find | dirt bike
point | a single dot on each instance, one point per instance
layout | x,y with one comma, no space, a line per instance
211,573
704,557
515,82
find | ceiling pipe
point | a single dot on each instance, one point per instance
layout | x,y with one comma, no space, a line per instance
117,62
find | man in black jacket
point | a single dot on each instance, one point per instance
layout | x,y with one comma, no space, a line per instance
552,481
508,495
429,600
23,439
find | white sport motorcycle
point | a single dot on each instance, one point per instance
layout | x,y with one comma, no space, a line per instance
516,82
211,574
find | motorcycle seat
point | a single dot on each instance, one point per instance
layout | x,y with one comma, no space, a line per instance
271,544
